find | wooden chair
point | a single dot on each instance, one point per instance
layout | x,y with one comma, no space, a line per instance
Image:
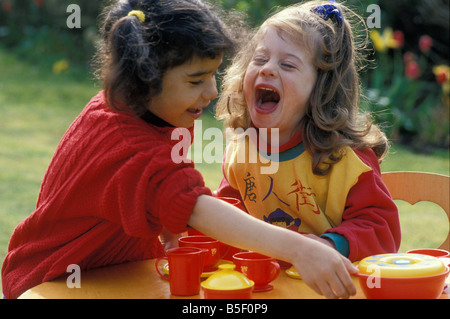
414,187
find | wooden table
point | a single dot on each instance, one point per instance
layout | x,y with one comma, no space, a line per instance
139,280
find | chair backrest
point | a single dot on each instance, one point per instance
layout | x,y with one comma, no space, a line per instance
414,187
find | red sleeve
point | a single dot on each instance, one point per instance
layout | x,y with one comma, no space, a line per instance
172,200
150,191
370,219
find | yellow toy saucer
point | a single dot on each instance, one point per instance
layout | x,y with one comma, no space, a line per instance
399,265
292,272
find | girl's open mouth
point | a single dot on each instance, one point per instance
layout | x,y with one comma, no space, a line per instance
267,99
196,113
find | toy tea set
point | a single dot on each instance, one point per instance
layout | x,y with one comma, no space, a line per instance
417,274
202,257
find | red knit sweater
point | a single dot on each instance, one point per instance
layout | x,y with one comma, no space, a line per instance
110,188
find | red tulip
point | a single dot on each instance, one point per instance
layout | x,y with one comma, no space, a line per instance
425,43
399,38
441,78
412,70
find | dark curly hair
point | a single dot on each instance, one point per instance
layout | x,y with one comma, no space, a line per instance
133,56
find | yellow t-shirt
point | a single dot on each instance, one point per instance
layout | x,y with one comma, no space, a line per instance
292,196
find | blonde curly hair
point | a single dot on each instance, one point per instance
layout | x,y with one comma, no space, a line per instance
332,119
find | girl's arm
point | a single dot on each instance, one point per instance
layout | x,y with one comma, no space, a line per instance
321,267
370,224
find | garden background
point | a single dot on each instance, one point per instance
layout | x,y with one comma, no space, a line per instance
46,80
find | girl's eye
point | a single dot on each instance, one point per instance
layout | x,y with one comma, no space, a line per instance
200,82
259,60
288,65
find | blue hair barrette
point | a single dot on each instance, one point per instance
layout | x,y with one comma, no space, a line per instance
329,11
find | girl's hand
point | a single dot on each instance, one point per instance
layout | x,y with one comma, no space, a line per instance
326,271
168,239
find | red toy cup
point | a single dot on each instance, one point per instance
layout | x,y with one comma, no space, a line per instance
258,268
212,246
185,269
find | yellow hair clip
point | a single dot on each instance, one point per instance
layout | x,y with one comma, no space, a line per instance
139,14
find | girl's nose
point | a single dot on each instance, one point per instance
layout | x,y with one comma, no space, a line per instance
210,93
268,70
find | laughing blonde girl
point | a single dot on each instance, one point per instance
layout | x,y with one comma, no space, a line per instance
298,78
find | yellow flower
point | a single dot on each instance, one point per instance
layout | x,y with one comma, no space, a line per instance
385,41
442,73
60,66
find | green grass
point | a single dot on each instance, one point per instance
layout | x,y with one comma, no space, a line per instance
36,107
